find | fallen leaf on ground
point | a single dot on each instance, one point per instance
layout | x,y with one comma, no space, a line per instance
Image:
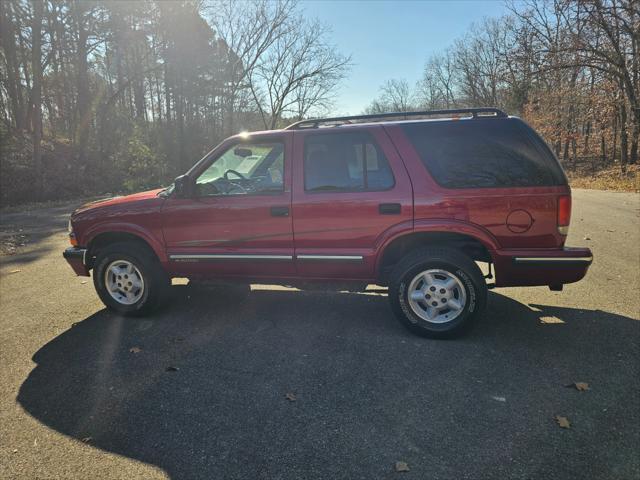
580,386
402,467
135,349
15,271
587,238
87,439
83,282
290,396
15,450
172,369
563,422
550,320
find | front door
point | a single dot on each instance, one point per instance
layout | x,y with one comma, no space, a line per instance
350,188
238,221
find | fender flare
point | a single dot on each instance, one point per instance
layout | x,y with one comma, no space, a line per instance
434,226
130,229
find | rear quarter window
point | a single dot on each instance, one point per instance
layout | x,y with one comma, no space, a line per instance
484,153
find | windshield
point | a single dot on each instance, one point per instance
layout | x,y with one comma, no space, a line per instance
244,169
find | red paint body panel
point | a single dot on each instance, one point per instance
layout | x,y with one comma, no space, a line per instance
509,274
509,222
484,208
346,223
233,224
137,214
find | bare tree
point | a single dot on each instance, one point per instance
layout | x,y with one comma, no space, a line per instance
437,88
36,93
611,44
479,61
248,30
395,96
12,69
297,73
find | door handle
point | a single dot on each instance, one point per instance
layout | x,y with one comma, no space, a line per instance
389,209
279,211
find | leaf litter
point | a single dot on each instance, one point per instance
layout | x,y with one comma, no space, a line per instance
563,422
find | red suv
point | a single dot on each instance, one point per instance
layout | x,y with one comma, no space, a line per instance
400,200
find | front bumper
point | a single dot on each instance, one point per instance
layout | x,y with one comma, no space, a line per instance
76,258
527,268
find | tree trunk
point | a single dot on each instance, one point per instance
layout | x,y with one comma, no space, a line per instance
633,157
159,93
614,144
82,127
624,144
138,86
64,104
13,73
36,94
179,107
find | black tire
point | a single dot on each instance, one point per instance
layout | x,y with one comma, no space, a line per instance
452,261
156,282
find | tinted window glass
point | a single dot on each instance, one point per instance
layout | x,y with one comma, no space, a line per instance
345,162
484,153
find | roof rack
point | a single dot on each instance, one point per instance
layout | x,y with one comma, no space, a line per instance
475,113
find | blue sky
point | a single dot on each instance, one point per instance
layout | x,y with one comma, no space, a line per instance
392,39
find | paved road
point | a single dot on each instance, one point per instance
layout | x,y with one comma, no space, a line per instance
368,394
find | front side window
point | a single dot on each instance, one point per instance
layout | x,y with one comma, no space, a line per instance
245,169
345,162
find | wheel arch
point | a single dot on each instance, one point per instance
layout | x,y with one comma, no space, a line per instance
108,236
475,243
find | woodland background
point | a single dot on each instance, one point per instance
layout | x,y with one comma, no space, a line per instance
116,96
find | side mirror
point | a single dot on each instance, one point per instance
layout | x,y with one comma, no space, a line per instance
184,186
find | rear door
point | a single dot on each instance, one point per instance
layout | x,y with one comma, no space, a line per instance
349,188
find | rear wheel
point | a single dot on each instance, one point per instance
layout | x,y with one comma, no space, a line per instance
437,292
129,279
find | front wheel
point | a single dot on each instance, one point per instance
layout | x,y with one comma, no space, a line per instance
437,292
129,279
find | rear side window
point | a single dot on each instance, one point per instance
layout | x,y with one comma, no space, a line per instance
484,153
345,162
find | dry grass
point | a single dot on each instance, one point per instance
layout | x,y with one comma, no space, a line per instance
608,178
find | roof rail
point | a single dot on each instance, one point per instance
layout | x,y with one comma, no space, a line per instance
475,113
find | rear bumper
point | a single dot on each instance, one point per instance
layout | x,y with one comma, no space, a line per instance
541,267
76,257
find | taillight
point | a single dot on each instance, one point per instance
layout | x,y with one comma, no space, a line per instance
564,214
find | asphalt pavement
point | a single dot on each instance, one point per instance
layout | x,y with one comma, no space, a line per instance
284,384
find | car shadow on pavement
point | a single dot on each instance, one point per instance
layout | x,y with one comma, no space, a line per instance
291,384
